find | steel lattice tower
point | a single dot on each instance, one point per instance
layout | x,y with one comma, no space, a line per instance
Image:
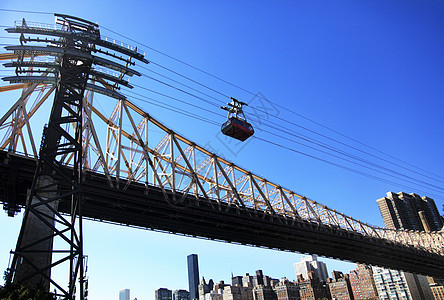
72,69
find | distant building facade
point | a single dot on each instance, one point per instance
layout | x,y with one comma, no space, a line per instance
193,275
312,288
362,283
339,286
214,296
237,292
236,280
261,292
124,294
262,280
286,290
203,289
257,287
311,264
163,294
181,295
247,280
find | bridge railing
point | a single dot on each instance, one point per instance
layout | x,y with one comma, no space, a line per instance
139,149
44,28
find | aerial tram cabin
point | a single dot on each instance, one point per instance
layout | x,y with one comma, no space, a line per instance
236,125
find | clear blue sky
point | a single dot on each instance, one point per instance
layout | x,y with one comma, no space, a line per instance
370,70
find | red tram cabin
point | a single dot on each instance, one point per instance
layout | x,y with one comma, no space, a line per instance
236,125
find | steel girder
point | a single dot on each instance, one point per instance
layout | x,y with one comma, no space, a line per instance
217,221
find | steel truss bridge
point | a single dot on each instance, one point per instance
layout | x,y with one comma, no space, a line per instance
136,171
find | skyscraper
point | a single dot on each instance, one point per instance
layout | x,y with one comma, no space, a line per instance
193,276
124,294
402,210
311,263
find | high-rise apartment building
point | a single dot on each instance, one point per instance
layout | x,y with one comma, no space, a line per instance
163,294
362,283
193,276
124,294
402,211
405,286
410,211
311,263
391,284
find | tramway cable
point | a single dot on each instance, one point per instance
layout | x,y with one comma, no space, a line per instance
175,110
180,90
196,90
255,94
308,139
284,147
339,165
313,140
330,138
293,150
362,165
26,11
175,99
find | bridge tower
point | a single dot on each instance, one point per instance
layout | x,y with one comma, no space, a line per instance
73,45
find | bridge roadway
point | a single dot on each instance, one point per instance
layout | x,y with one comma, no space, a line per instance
203,218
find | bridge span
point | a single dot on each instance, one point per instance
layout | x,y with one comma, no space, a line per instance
178,187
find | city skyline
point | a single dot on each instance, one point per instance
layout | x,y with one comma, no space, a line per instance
368,70
256,277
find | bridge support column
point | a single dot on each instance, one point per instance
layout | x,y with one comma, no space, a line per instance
36,241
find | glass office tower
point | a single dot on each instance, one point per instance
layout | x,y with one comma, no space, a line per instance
193,276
